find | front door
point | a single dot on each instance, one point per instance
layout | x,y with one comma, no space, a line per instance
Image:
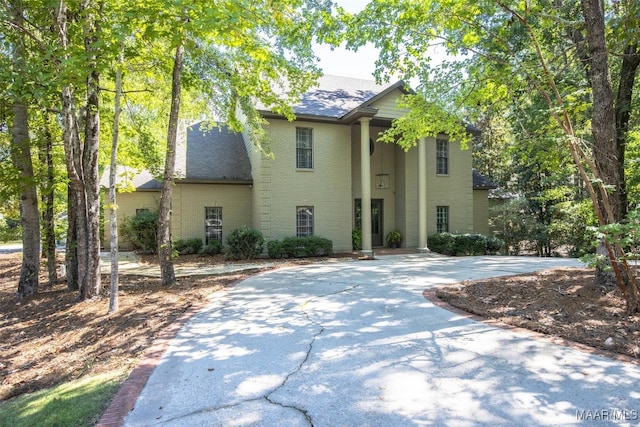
376,220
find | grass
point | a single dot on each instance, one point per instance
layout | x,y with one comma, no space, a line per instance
77,403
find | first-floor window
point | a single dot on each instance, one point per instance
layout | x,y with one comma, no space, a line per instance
212,224
442,219
304,221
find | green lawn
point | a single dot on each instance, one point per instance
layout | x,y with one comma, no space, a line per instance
77,403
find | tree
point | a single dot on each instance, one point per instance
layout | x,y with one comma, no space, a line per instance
235,55
21,156
517,48
81,142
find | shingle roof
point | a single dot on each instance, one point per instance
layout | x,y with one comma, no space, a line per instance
215,154
482,183
335,96
211,155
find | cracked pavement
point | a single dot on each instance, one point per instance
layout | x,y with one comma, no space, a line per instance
355,344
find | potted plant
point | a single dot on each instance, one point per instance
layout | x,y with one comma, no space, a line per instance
394,238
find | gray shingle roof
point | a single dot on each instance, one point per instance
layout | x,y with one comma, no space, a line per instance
482,183
335,96
215,154
211,155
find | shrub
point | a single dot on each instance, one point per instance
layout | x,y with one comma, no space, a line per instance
187,246
274,249
356,239
442,243
140,231
244,243
297,247
464,244
213,248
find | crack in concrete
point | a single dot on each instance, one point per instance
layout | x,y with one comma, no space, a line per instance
267,396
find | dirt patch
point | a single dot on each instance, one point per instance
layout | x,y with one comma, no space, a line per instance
53,338
563,302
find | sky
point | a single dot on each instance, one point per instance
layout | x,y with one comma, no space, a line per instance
341,62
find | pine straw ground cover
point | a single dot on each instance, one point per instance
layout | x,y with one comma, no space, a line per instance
52,338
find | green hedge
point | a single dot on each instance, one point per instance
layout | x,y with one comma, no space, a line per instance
464,244
297,247
187,246
244,243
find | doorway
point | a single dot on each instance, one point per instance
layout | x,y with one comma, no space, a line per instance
377,237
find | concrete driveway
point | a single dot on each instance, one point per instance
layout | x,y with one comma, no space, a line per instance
356,344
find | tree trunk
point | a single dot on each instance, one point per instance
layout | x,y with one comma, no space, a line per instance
90,273
603,123
82,161
21,157
47,196
624,98
607,148
113,212
30,217
164,212
71,253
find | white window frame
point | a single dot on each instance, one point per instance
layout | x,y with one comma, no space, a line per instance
442,156
304,148
304,221
212,223
442,219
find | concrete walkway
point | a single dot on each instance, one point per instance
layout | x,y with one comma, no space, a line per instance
356,344
128,263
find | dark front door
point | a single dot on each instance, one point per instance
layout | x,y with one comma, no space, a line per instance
376,220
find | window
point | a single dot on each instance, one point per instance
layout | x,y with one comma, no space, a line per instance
442,219
442,157
141,211
304,148
304,221
212,224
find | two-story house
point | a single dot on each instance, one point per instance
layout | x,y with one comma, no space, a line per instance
328,175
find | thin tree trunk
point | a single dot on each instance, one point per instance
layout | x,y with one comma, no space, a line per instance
623,106
47,196
71,253
90,274
113,217
164,212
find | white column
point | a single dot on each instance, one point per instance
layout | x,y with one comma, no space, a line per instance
422,195
365,175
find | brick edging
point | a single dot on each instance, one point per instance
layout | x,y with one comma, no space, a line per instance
430,295
126,396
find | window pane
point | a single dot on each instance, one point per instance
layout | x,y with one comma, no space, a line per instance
212,224
442,157
304,148
304,221
442,219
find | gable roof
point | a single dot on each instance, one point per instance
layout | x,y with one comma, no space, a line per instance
336,98
210,155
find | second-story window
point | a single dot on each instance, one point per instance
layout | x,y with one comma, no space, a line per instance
304,148
442,156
